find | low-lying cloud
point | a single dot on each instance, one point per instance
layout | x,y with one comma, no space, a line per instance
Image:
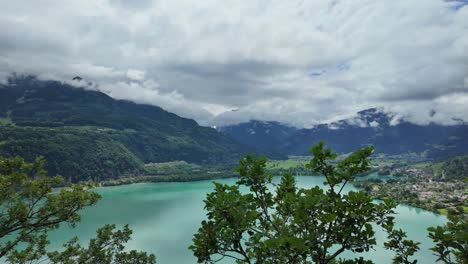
222,62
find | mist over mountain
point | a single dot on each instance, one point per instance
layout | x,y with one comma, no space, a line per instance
298,62
86,134
388,133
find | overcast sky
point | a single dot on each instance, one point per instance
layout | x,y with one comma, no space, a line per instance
297,62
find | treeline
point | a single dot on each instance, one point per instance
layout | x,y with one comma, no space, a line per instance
176,171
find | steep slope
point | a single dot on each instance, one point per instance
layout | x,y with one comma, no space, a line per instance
88,135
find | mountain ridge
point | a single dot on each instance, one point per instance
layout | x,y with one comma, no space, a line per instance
86,134
369,127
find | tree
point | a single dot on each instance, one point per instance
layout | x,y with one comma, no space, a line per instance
451,241
294,225
30,207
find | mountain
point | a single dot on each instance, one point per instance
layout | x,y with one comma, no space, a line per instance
369,127
260,134
86,134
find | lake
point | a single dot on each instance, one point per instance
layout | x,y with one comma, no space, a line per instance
164,217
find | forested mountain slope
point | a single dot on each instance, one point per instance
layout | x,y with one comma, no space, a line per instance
86,134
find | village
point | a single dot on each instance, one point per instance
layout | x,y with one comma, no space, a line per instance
418,186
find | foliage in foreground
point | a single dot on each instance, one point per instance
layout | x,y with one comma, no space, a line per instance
292,225
451,241
295,225
30,207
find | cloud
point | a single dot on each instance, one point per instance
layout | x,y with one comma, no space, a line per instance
136,75
148,92
298,62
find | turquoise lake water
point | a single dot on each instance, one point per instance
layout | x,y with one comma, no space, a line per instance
164,216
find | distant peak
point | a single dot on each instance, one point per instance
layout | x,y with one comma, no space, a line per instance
372,117
81,82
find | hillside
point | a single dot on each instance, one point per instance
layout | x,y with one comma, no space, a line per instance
369,127
455,168
88,135
263,135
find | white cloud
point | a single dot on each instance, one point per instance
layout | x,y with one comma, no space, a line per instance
299,62
136,75
148,92
374,124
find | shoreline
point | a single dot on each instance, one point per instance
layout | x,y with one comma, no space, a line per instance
176,179
156,179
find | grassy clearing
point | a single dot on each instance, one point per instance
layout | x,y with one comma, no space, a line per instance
5,121
443,211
